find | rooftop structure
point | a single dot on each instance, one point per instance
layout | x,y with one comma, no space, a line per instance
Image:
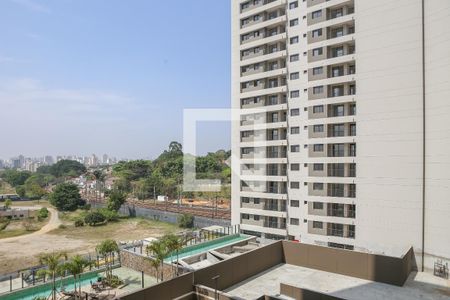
289,270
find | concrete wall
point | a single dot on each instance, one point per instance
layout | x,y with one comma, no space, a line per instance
391,270
139,262
386,269
166,216
437,132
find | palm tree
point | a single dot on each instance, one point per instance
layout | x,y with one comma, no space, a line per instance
76,267
107,248
154,262
159,251
174,245
53,262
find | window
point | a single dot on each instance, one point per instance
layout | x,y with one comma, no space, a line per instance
295,112
317,205
295,203
337,150
294,40
294,221
295,148
295,76
318,128
318,109
352,129
295,130
338,111
317,51
316,14
352,109
294,57
317,186
317,71
293,23
318,90
245,216
295,167
317,33
318,167
256,17
338,130
256,217
352,150
295,94
318,148
338,51
245,200
293,5
317,224
295,185
256,200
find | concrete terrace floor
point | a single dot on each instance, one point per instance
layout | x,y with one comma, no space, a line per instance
421,286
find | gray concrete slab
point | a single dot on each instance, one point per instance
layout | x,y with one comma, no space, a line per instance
423,286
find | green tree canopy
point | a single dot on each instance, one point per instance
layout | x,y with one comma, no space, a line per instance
14,177
66,197
64,168
115,200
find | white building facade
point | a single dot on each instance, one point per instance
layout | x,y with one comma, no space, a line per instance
343,137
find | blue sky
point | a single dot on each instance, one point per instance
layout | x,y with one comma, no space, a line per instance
110,76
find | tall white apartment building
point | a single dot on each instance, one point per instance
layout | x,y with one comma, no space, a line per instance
344,131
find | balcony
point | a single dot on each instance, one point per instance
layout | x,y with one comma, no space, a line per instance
330,13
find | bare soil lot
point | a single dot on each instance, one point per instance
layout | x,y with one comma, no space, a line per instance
21,252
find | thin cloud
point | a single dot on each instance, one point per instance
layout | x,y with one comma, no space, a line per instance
30,97
10,59
32,5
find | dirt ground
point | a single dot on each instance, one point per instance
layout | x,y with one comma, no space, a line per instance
21,252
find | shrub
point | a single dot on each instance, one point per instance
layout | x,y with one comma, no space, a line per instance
109,215
79,223
186,221
62,226
94,218
113,281
43,213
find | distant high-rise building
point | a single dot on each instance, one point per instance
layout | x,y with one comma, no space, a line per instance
48,160
105,159
349,147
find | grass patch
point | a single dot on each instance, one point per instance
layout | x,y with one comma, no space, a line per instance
22,227
123,229
72,216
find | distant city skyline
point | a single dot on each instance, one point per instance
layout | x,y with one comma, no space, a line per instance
75,80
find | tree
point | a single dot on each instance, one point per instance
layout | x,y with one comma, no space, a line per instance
186,221
115,200
21,191
76,267
63,168
15,178
107,249
159,251
66,197
93,218
174,245
54,266
8,203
